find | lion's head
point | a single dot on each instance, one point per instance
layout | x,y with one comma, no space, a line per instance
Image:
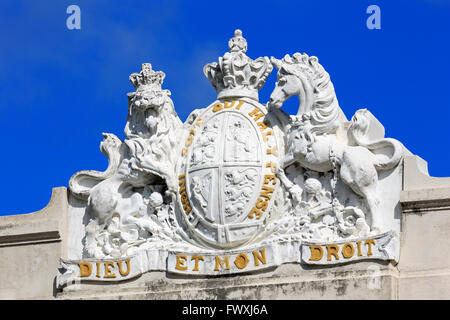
152,129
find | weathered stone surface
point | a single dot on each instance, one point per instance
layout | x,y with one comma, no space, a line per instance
424,264
423,271
242,201
363,280
31,246
245,180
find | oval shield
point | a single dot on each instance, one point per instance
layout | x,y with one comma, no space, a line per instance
227,173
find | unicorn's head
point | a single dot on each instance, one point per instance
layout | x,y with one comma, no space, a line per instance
291,80
303,76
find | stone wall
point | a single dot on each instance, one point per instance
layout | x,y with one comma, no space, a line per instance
424,265
30,248
32,244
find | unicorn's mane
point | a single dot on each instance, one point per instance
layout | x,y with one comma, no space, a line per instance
324,110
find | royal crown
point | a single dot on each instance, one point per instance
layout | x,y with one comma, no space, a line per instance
236,75
147,79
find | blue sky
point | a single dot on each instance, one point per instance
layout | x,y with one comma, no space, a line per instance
60,89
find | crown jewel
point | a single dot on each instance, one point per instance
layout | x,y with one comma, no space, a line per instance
236,75
147,79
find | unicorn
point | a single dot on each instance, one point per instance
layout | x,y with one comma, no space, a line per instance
320,138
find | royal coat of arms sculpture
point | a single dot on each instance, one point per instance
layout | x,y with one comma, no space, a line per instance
241,185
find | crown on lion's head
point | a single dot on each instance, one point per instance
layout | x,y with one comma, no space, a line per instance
147,84
147,79
236,75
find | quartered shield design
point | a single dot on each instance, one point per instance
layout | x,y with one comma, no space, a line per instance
227,173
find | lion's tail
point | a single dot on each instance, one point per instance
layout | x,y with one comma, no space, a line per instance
82,182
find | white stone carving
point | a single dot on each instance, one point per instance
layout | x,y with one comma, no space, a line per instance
127,200
238,189
313,138
236,174
239,179
252,258
205,147
236,75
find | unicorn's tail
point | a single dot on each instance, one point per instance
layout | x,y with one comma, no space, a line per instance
367,131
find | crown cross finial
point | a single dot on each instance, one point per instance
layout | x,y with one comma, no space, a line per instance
236,75
147,79
237,43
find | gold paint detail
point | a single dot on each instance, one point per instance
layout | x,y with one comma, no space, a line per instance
369,244
122,273
220,263
183,194
197,259
270,177
332,250
348,250
273,151
254,211
109,273
217,107
267,133
260,256
256,114
266,192
98,269
316,253
228,105
198,122
241,261
181,258
85,269
358,244
272,166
